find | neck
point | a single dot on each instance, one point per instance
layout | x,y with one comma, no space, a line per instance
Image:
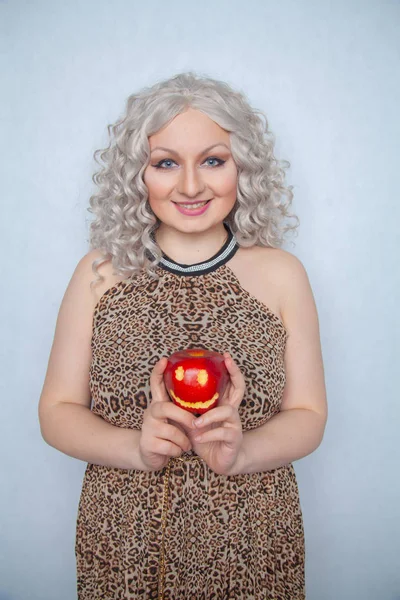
190,248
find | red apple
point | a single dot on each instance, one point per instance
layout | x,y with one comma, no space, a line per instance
196,379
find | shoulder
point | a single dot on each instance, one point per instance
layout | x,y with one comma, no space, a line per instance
88,278
85,264
290,279
288,273
280,259
271,274
275,264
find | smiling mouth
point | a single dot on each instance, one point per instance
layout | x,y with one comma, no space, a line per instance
193,204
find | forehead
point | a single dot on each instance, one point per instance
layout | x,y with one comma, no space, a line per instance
190,130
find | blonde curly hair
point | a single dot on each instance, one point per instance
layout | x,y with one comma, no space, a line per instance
124,224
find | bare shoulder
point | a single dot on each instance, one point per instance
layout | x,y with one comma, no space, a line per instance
85,272
283,264
296,299
267,274
263,258
285,270
289,275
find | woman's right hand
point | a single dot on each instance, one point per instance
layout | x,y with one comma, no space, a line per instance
160,439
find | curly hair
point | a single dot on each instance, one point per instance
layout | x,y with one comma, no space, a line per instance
124,225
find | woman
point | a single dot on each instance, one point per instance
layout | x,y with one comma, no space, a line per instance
190,213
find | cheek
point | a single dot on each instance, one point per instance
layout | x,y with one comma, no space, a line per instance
155,185
228,184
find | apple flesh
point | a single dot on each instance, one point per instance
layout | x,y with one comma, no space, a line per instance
196,379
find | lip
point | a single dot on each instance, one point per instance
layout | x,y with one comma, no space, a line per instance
190,211
193,201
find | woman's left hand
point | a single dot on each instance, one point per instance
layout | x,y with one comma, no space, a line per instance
217,435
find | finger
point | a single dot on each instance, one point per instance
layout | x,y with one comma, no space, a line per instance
234,371
172,434
169,410
218,414
186,430
157,381
166,448
220,434
236,379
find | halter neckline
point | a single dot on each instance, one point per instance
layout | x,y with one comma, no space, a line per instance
224,254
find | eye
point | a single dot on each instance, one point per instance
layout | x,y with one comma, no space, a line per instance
220,162
160,164
165,160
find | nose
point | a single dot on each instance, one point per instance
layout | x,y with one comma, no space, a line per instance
190,183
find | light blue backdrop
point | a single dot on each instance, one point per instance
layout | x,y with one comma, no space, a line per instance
327,76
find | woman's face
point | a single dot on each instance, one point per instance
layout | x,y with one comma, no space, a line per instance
191,162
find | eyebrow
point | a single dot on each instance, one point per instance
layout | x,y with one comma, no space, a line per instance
177,153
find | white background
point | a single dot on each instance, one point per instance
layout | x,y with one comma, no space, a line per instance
327,76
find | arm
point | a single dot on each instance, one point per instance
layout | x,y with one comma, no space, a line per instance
66,421
298,429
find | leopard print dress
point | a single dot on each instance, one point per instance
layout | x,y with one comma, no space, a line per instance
185,532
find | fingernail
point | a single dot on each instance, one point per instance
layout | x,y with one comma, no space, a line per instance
198,421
